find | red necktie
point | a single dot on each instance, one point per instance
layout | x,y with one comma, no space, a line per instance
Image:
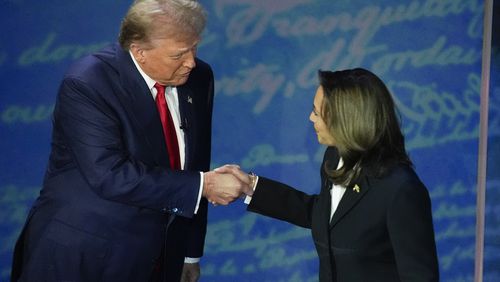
168,128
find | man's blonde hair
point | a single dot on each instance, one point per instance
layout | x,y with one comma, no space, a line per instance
153,19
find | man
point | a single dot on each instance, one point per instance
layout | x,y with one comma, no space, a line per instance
124,196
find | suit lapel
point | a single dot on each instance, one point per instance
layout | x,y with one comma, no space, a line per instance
186,101
326,189
141,107
351,197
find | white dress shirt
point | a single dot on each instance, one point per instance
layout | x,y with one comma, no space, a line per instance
336,193
172,98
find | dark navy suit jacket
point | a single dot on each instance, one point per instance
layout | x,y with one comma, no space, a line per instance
109,195
382,231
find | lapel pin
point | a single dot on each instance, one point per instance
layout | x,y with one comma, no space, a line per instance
190,100
356,188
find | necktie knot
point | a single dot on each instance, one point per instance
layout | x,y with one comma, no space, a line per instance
160,90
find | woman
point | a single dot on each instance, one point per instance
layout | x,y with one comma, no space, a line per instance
372,219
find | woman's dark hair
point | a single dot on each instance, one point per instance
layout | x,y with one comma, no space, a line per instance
360,113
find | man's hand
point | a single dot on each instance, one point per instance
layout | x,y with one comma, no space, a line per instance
190,272
223,188
238,173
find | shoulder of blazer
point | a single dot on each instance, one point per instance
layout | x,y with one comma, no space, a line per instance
202,66
400,176
202,74
401,173
111,61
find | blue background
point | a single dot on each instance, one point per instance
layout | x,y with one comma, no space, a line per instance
265,56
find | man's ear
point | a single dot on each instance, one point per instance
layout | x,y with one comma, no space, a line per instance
138,52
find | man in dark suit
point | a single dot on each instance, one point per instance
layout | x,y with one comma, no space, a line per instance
125,192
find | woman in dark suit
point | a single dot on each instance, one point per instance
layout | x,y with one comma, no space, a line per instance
372,219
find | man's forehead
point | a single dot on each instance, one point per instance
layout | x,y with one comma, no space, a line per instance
176,44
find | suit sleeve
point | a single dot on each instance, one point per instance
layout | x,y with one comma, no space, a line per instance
92,133
411,233
280,201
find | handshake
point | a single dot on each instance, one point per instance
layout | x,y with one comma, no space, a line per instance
227,183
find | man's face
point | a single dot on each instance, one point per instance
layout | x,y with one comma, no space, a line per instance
167,61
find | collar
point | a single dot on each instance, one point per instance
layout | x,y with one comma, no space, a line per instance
149,81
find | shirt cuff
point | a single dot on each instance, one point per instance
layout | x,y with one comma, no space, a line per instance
199,193
191,260
248,199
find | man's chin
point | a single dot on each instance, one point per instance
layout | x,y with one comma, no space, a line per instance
181,81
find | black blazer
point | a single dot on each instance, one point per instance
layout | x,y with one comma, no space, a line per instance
382,233
109,194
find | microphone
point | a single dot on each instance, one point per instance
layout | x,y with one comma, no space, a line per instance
184,125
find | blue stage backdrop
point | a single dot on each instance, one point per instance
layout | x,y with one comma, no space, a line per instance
492,230
265,56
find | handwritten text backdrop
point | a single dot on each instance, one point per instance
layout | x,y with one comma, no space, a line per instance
265,56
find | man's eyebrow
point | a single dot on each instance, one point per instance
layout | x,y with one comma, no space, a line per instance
181,51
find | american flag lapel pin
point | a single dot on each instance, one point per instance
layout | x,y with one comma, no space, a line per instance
356,188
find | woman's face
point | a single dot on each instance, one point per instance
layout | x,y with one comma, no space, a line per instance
324,135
